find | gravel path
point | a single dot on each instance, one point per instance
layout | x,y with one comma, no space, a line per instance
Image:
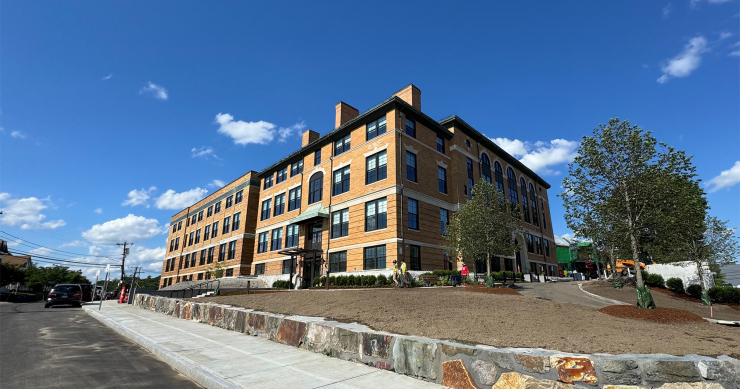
628,295
497,320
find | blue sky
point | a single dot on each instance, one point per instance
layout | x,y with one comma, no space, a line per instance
109,109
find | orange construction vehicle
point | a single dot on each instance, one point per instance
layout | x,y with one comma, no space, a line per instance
624,264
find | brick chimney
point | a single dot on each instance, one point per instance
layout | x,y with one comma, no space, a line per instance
345,113
410,94
308,137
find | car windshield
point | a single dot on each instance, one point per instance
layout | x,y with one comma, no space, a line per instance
65,289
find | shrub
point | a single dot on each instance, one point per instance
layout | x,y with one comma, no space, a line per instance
445,273
724,294
382,280
280,284
694,291
332,280
675,284
322,280
509,275
654,280
351,280
518,275
372,280
342,280
317,281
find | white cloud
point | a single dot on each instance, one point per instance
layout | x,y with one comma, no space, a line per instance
98,210
243,133
735,53
724,35
540,156
260,132
286,132
146,257
695,2
108,77
94,250
217,184
130,228
173,200
18,135
26,213
201,152
159,92
725,179
75,243
139,197
685,62
667,10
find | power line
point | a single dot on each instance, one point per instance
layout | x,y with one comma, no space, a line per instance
52,262
63,259
49,248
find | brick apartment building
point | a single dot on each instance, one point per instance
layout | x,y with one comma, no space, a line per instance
217,229
380,186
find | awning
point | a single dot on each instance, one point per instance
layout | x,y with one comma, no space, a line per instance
313,212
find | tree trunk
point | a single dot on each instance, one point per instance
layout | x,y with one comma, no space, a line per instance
701,275
488,265
613,262
636,259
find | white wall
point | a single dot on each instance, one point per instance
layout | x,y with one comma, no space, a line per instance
686,271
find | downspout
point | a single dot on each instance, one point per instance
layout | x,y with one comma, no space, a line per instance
400,180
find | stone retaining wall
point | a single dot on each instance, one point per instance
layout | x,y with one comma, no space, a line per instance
458,365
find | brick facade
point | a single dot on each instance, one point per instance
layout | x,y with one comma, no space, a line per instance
354,147
239,238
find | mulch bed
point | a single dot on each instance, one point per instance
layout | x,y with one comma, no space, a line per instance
494,290
658,315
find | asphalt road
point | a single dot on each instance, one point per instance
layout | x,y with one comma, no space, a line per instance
562,292
63,347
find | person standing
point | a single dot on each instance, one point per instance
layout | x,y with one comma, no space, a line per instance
395,274
404,275
464,272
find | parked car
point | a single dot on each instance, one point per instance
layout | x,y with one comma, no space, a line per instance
87,292
65,294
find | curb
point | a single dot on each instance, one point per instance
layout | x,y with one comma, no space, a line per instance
596,296
200,375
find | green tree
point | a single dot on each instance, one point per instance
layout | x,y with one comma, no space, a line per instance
46,277
485,226
10,274
616,180
717,246
217,271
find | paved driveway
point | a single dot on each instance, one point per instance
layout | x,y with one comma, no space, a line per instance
564,292
63,347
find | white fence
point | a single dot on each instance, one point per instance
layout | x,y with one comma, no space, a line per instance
686,271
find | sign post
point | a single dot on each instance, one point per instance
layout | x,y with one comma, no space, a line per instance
105,287
95,285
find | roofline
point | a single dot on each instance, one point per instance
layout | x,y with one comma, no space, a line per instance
225,185
394,101
451,120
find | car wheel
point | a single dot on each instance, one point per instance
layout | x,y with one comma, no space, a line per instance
46,306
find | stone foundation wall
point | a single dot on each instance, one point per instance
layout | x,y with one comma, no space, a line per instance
458,365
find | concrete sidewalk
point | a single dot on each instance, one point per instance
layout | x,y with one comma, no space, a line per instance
217,358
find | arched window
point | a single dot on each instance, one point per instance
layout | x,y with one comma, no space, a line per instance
499,177
315,188
511,183
533,201
485,169
525,202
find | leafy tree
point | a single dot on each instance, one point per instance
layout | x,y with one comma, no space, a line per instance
46,277
485,226
616,181
217,271
10,274
717,246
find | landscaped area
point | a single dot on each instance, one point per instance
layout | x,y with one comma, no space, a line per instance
497,320
664,298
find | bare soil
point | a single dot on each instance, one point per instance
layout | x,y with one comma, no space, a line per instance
658,315
664,299
496,320
496,290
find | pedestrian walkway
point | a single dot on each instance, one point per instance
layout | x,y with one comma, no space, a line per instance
217,358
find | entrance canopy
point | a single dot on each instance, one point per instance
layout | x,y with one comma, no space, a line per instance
312,213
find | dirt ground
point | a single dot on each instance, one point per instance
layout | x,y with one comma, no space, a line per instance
665,300
497,320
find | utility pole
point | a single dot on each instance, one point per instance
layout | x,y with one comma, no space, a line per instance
125,253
